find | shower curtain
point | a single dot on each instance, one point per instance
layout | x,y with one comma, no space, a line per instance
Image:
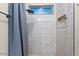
17,30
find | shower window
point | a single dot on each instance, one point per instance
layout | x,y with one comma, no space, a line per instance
42,10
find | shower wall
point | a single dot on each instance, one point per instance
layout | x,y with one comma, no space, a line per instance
3,30
42,35
64,35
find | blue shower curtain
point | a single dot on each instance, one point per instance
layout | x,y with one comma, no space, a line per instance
17,30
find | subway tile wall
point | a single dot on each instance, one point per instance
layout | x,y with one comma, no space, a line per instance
41,35
64,36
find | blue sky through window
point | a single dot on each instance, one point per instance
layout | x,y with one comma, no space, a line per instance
46,10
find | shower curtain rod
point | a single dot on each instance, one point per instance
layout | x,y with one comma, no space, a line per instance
5,14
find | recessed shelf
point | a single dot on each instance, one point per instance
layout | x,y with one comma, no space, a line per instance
61,21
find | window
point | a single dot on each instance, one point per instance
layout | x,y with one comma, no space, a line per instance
39,10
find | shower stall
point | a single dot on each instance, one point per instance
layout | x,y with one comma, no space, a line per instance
50,34
52,29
